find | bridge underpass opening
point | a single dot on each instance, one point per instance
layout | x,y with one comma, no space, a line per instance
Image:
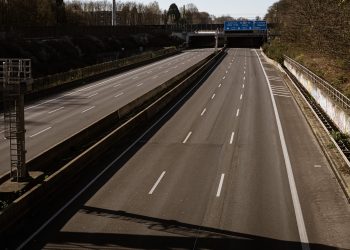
245,42
204,41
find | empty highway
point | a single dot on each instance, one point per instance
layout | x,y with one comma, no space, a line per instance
54,119
236,167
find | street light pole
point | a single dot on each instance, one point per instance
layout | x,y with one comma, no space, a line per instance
216,40
114,13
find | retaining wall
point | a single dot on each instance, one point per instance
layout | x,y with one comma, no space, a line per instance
339,116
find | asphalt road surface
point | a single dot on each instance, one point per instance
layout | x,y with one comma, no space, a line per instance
54,119
236,167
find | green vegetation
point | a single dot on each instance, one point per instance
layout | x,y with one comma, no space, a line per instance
338,136
315,33
3,204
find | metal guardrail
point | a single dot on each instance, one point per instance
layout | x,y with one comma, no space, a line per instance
82,73
330,90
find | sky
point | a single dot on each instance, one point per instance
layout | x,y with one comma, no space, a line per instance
234,8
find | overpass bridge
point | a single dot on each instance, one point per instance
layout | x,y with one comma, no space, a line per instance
235,34
232,40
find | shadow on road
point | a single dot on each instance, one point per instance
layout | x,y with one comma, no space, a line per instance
165,234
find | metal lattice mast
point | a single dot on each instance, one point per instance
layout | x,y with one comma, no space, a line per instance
14,76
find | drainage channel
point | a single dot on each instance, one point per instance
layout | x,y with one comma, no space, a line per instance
343,143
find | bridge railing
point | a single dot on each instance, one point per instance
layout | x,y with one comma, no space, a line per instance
194,27
330,90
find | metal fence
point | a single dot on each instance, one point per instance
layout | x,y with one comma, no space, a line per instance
82,73
321,83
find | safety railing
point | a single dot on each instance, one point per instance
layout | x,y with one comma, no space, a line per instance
327,87
82,73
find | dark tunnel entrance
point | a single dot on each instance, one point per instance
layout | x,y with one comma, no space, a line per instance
231,41
204,41
245,42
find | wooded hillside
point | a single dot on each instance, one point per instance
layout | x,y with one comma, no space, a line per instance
316,33
99,12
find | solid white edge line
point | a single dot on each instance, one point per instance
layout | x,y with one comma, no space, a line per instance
220,185
187,137
40,132
232,136
203,112
86,110
157,183
112,163
294,193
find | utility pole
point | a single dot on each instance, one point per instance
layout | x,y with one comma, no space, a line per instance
114,18
216,39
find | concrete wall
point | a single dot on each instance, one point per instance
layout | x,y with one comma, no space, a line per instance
340,117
